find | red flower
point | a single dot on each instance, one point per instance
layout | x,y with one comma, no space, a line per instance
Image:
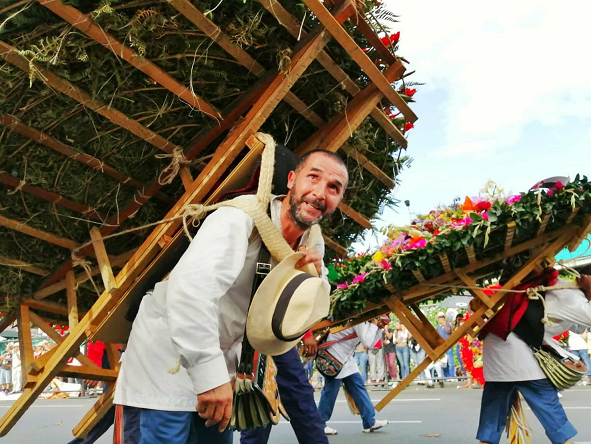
394,38
483,205
408,126
410,92
559,186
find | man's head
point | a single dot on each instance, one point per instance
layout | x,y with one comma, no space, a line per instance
441,317
316,187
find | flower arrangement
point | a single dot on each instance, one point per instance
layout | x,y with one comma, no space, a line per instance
478,222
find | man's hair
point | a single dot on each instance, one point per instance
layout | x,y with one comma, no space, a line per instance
330,154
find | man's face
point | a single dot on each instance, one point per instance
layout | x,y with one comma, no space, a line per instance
316,189
441,320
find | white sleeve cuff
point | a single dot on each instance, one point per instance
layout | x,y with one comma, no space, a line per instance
209,375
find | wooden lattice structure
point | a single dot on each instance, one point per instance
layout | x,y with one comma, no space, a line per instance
542,250
228,137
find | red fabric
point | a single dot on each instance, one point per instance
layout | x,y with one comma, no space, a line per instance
308,334
94,351
378,344
516,304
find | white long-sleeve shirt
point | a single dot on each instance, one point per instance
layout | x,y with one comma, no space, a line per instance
367,333
513,360
196,318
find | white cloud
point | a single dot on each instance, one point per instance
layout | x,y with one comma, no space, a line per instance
503,65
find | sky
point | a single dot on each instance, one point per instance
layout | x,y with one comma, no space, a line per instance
507,97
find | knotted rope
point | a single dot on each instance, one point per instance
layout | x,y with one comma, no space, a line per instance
171,171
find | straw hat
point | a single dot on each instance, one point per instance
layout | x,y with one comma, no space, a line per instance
287,303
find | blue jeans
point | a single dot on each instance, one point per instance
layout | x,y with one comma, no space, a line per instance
541,396
362,360
403,355
159,426
356,387
585,358
297,396
459,356
450,370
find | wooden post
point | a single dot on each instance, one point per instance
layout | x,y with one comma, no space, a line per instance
72,299
94,415
25,341
103,259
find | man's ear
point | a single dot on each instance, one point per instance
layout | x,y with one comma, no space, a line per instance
291,179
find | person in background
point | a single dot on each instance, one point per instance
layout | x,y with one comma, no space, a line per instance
362,359
578,346
17,374
444,329
390,353
417,355
368,333
439,367
376,360
401,338
6,372
457,324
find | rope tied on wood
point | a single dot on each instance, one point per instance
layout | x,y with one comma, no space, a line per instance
177,160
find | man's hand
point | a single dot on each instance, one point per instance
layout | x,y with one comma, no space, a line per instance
312,257
90,383
310,346
585,283
215,406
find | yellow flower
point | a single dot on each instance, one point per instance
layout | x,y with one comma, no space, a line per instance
378,257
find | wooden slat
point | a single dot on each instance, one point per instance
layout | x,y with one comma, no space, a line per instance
445,262
469,282
224,156
510,234
292,25
572,215
86,24
50,196
8,262
418,275
369,166
413,325
543,224
39,234
25,341
72,299
11,55
334,246
364,62
103,259
51,307
94,415
357,217
59,147
431,333
7,321
116,261
39,362
582,233
113,355
333,134
373,39
83,372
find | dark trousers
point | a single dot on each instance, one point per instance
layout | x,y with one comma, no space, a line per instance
297,396
130,432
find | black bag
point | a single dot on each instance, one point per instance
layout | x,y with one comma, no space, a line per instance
326,363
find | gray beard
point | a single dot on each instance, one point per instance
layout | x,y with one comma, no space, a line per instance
294,213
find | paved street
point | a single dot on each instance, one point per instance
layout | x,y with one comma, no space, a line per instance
416,413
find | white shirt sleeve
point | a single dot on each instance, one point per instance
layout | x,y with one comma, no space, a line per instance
206,271
569,305
368,333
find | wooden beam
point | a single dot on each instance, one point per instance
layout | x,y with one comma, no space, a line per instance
50,196
510,234
373,39
333,134
46,140
8,262
294,27
72,299
103,259
25,341
469,282
582,233
86,24
51,307
94,373
39,362
113,355
357,217
543,224
226,153
445,262
334,246
116,261
94,415
415,328
7,321
357,54
12,55
39,234
41,323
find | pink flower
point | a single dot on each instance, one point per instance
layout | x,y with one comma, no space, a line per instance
485,215
359,278
343,286
386,265
516,198
550,192
559,186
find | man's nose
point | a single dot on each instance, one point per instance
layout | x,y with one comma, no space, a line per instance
318,191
